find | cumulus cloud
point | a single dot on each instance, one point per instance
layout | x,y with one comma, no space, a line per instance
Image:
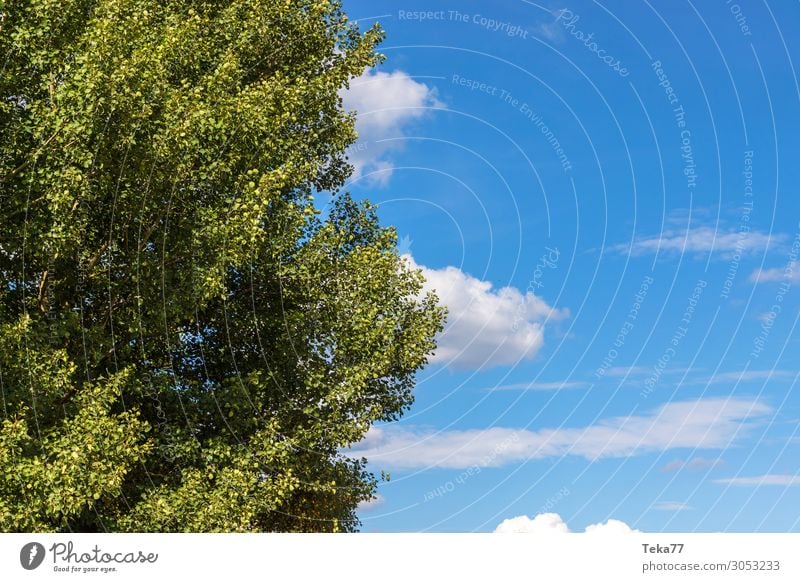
611,527
725,243
552,523
712,423
485,326
386,105
779,480
542,523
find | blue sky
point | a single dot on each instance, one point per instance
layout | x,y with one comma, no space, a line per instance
605,197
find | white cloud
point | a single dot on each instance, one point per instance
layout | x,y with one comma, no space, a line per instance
552,31
671,506
750,376
611,527
623,371
486,327
790,273
542,523
372,504
780,480
386,103
552,523
766,317
712,423
694,464
703,239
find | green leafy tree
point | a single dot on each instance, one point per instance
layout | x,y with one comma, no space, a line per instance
186,343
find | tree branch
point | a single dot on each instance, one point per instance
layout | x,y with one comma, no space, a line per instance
44,283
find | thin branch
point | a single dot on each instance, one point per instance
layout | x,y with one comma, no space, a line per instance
44,283
93,261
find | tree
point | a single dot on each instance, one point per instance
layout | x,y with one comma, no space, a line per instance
186,342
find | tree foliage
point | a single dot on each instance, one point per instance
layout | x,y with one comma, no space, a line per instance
186,343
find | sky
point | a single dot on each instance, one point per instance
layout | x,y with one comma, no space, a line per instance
604,195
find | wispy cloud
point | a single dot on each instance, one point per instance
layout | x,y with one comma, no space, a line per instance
486,326
779,480
702,239
623,371
713,423
671,506
693,464
551,30
750,376
791,273
540,386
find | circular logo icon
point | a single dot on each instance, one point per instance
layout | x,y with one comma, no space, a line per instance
31,555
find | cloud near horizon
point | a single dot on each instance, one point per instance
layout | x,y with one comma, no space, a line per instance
552,523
